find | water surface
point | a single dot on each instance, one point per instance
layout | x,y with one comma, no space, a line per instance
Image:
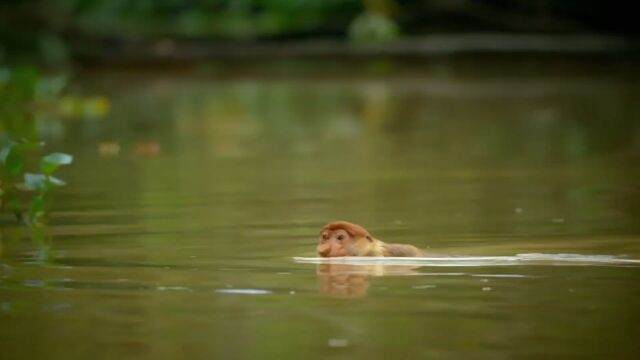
185,207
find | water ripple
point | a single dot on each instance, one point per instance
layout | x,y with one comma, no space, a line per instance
459,261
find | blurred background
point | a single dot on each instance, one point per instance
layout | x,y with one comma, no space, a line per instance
62,31
210,140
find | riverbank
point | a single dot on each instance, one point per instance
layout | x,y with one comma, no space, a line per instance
172,50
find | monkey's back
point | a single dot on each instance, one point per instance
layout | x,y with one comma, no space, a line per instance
402,250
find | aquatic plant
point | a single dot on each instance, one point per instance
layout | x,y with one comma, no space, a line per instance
22,91
16,180
44,184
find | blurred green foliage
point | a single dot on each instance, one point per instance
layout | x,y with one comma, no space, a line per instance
49,29
24,93
234,18
373,27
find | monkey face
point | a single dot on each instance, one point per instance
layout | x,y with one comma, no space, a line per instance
344,239
333,243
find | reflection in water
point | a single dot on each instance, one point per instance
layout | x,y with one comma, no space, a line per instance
344,280
349,276
12,242
41,235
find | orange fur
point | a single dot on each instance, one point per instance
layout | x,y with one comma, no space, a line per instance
342,238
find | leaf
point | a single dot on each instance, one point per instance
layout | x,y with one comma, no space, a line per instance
58,158
11,158
35,181
12,155
52,180
6,150
42,182
51,162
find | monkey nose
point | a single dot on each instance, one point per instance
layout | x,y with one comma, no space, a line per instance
324,251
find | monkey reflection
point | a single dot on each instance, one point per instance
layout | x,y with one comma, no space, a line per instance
352,281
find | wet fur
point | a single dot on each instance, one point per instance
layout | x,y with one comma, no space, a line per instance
356,241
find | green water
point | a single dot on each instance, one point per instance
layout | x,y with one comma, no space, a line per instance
184,207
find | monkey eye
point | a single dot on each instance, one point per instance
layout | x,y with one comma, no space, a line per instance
325,236
340,237
369,238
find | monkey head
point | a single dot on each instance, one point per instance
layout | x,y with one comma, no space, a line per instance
343,238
